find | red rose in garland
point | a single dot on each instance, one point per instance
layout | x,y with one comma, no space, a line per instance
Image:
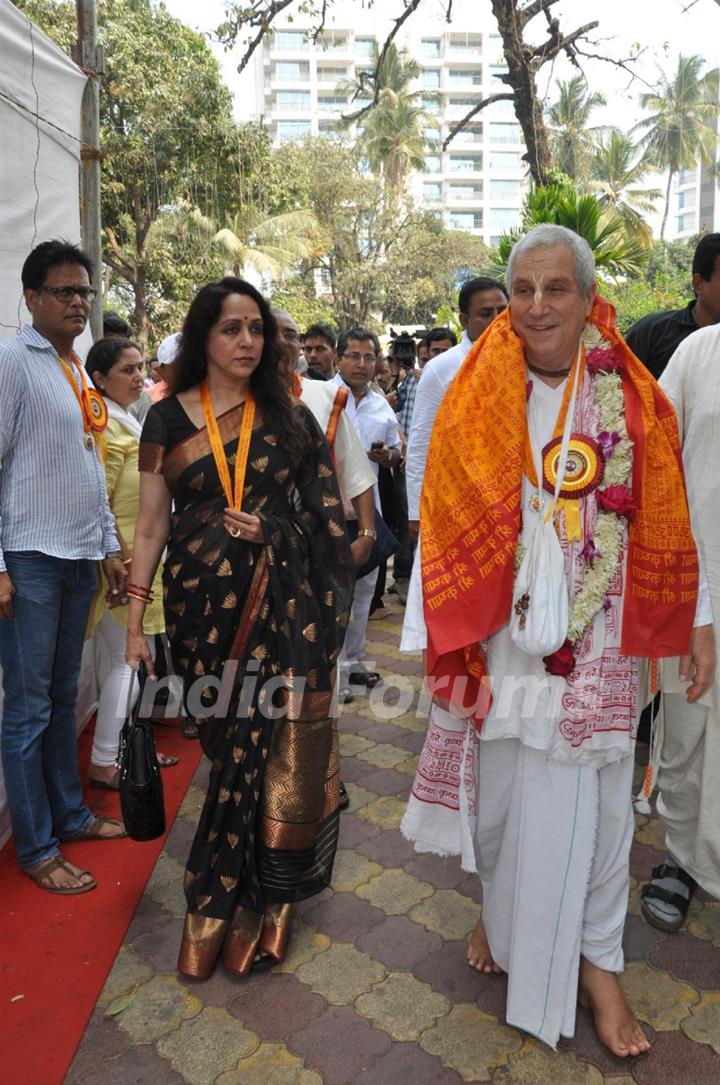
562,661
618,499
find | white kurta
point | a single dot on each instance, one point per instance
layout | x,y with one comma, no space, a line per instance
689,772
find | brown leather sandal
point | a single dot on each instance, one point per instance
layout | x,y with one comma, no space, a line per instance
94,830
42,873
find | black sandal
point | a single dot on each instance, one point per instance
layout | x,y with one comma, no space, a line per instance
666,896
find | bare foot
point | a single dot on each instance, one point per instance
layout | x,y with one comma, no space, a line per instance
478,954
616,1025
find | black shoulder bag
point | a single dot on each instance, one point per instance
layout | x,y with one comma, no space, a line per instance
141,788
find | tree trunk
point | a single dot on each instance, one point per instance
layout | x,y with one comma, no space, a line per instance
521,78
667,204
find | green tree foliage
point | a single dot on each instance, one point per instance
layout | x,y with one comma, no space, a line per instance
571,137
682,124
615,254
617,172
666,283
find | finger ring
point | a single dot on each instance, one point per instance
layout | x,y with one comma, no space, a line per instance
124,599
235,532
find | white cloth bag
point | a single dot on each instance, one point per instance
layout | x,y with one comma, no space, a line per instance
540,610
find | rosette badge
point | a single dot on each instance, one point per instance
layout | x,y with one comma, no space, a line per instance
97,412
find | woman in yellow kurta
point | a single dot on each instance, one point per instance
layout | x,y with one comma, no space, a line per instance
116,369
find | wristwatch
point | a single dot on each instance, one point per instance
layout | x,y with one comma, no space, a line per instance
367,532
114,554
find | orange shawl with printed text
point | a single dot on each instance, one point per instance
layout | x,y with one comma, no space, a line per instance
470,509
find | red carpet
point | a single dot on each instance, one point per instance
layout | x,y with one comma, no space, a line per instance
57,951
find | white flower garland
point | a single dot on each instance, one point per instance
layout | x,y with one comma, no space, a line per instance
610,527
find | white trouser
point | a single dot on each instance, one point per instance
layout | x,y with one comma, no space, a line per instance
356,634
552,848
688,783
113,703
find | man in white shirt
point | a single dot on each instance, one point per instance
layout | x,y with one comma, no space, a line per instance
376,426
479,301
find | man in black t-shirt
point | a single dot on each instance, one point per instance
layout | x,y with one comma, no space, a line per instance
656,336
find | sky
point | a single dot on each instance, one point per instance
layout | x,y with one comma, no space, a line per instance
664,29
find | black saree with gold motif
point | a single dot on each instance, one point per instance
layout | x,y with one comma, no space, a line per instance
255,632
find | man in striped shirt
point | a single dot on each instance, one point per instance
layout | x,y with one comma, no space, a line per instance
55,523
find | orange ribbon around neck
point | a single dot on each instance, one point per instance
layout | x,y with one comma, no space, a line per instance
570,506
92,405
234,500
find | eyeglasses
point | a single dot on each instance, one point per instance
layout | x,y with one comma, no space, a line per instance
67,293
353,356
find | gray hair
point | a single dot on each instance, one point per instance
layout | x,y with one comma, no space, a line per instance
544,237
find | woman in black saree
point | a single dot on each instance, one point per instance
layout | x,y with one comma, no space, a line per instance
238,484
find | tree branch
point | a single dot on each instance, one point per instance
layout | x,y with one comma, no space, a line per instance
257,16
526,14
624,64
500,97
558,43
317,31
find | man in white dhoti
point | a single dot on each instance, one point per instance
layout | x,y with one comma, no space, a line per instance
689,746
541,804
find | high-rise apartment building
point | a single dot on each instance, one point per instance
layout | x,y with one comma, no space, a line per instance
477,183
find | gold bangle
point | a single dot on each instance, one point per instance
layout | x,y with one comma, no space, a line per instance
367,532
127,561
142,598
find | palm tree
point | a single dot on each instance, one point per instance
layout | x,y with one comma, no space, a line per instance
616,174
571,136
681,127
270,243
561,204
393,137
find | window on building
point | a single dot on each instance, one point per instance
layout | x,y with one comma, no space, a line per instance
510,189
297,70
458,107
430,77
465,163
430,105
430,47
327,74
432,190
330,130
686,177
504,160
465,192
465,220
330,103
467,78
464,46
364,47
289,130
504,133
295,101
432,163
473,133
289,41
504,218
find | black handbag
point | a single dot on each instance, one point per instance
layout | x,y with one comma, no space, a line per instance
141,787
384,546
